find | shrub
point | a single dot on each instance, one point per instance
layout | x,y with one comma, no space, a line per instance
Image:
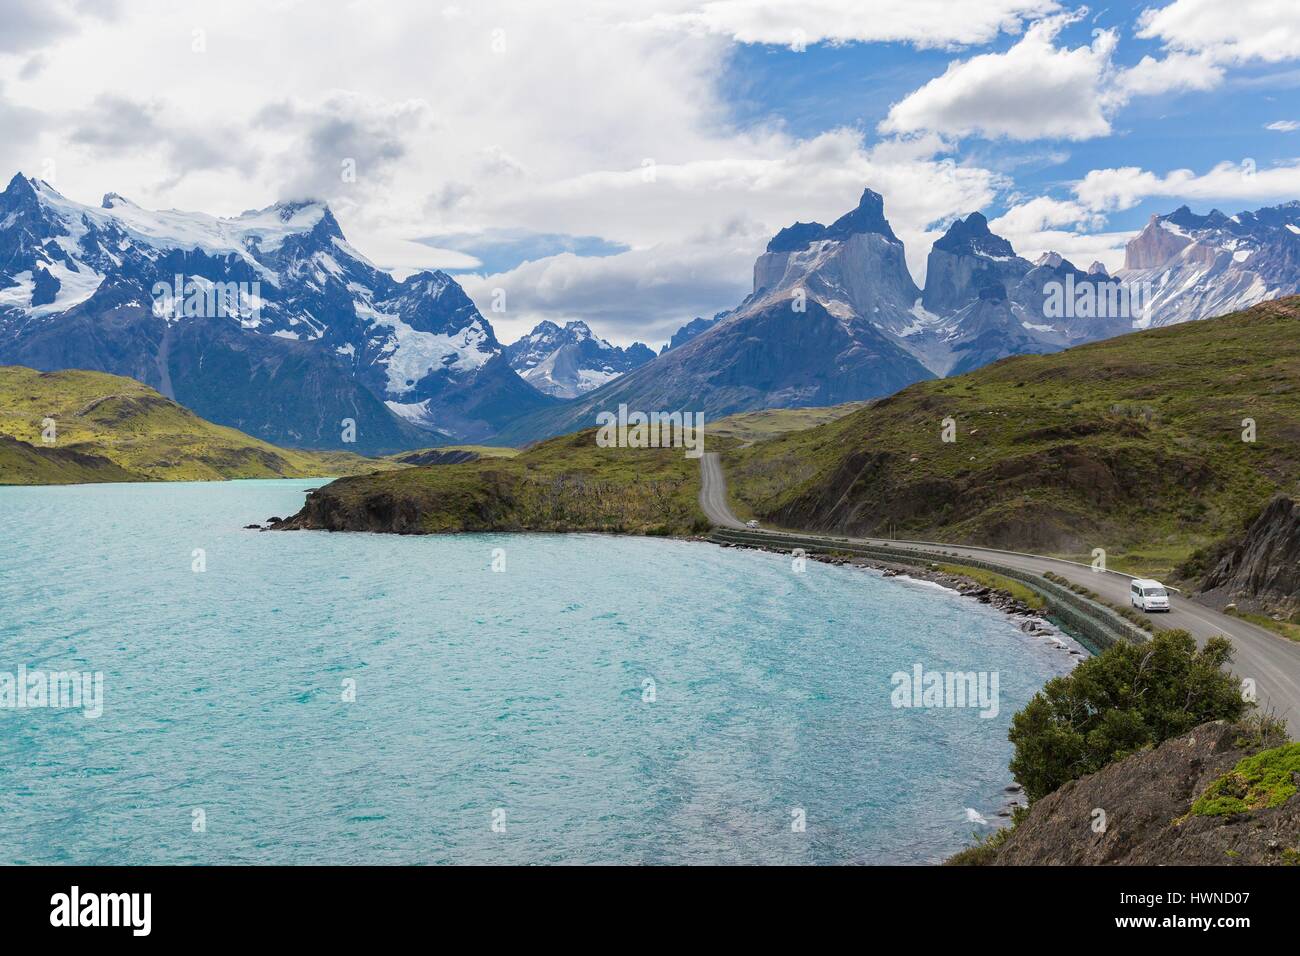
1264,780
1128,697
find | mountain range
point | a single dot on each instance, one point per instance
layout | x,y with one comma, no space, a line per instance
571,361
319,336
836,316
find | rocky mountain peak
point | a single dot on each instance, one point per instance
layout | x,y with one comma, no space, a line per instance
867,217
971,236
19,187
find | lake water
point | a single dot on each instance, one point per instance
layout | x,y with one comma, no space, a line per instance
498,716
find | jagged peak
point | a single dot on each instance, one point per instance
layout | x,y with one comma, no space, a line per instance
867,217
20,183
1184,218
1098,268
972,235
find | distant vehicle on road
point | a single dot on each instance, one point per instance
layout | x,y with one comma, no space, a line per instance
751,523
1148,595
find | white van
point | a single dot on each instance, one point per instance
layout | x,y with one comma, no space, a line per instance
1148,595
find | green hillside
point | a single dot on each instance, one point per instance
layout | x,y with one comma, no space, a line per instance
1132,444
110,428
564,484
774,422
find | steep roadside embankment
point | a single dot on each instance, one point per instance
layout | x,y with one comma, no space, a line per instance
1203,798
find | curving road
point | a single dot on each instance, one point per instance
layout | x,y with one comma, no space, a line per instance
1272,661
713,492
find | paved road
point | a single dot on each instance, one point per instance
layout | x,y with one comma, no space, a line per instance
713,492
1271,660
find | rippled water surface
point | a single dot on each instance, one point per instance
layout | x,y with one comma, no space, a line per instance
522,691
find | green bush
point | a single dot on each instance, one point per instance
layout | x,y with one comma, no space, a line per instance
1128,697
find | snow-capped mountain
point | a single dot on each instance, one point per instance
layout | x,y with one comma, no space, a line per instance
269,321
1199,266
571,361
807,334
835,315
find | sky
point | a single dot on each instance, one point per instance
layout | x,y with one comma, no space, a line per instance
625,163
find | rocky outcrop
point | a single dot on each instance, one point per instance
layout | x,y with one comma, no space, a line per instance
968,263
1153,246
1261,574
1143,810
855,267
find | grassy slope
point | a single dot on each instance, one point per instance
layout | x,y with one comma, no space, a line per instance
774,422
1131,444
564,484
111,428
478,451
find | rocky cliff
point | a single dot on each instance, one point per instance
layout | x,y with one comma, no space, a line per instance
1261,573
1221,794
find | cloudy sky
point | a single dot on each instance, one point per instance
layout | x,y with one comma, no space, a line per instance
624,163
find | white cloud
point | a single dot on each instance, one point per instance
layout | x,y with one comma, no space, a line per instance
1227,31
1039,90
1284,126
640,295
1034,90
1042,213
1151,77
922,23
1036,226
1125,187
498,116
29,24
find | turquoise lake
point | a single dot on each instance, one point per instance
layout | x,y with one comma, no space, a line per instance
515,697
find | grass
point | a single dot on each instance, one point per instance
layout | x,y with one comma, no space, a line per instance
997,582
482,451
1131,444
1260,781
564,484
773,422
1285,628
111,428
1160,562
